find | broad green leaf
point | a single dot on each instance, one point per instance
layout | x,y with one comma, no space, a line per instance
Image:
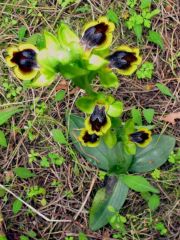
3,141
86,104
136,115
60,95
113,160
154,202
21,33
23,173
154,155
138,183
112,16
58,136
114,194
108,79
156,38
7,113
17,205
138,31
164,90
148,114
115,109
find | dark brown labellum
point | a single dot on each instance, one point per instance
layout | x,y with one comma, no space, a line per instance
95,35
26,60
98,118
139,137
92,138
121,59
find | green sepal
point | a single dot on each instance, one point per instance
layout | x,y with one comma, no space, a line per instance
115,109
86,104
108,79
112,195
66,35
110,138
51,41
154,155
129,147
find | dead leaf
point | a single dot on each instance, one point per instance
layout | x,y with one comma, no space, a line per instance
170,118
64,85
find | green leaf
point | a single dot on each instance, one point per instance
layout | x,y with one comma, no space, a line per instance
38,40
17,205
164,90
136,115
138,183
145,4
115,109
58,136
113,160
110,138
112,16
60,95
156,38
23,237
108,79
154,202
82,236
21,33
7,113
23,173
148,114
154,155
138,31
3,237
114,194
86,104
3,141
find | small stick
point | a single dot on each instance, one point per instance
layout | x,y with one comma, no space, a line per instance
33,209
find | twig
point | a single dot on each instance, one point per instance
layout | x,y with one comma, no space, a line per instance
33,209
86,198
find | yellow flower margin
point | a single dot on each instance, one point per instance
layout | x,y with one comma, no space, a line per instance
110,30
20,74
147,141
134,64
103,129
87,144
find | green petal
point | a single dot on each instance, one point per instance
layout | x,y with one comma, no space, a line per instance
86,104
108,79
115,109
42,81
66,35
95,62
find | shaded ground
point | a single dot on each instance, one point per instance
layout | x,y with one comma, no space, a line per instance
76,178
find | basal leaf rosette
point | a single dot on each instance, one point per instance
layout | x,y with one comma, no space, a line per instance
23,60
97,34
125,60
